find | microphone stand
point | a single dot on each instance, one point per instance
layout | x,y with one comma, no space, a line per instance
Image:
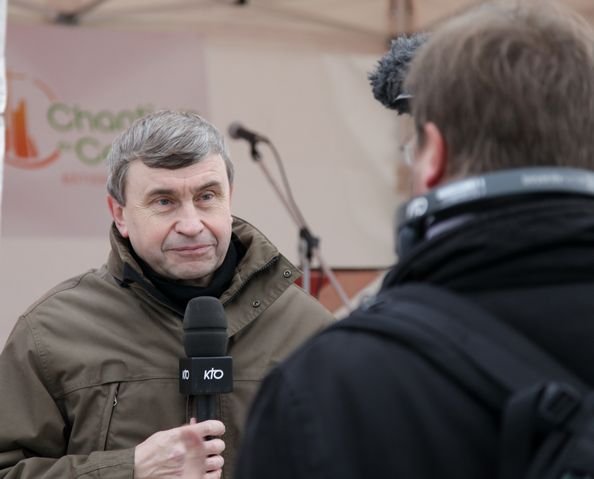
309,245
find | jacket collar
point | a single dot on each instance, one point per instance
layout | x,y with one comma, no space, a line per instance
260,278
525,243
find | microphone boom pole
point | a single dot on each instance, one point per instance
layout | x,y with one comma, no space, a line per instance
309,245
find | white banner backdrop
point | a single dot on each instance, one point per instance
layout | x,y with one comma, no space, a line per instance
69,99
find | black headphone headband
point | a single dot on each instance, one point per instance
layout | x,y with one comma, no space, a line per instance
414,214
498,184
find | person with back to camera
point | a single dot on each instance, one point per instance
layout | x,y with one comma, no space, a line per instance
501,218
89,375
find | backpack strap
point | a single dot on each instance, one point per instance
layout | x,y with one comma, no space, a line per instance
486,357
444,324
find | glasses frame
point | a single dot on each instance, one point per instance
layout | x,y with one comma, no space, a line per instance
408,150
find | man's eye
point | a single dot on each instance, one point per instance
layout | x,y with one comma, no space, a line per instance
163,202
207,196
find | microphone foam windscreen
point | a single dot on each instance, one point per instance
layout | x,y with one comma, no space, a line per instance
205,328
387,81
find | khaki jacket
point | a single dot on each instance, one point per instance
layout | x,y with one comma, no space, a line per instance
91,369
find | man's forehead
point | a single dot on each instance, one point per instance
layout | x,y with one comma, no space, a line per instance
208,170
212,163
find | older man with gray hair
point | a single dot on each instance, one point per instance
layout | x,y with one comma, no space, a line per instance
89,376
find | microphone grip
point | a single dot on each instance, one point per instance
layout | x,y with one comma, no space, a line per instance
202,379
204,407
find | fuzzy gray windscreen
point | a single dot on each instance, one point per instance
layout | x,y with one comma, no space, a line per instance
388,78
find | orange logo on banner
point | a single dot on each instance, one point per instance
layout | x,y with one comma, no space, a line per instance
21,148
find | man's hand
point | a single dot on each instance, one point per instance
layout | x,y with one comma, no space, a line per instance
191,451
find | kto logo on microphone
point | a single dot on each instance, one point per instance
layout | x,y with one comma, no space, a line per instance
213,373
208,375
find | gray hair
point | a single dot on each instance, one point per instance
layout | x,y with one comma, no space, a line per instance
164,139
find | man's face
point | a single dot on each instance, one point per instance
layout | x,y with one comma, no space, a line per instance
178,221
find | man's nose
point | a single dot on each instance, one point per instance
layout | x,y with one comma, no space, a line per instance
189,221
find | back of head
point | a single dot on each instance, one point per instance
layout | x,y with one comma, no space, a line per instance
164,139
508,85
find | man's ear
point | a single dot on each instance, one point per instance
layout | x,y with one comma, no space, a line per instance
117,213
433,157
231,190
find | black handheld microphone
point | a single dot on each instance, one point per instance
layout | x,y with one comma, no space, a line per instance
207,371
238,132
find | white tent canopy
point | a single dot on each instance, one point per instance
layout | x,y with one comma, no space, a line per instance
375,20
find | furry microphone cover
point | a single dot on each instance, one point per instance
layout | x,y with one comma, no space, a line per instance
388,78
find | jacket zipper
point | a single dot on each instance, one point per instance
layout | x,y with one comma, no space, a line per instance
114,403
